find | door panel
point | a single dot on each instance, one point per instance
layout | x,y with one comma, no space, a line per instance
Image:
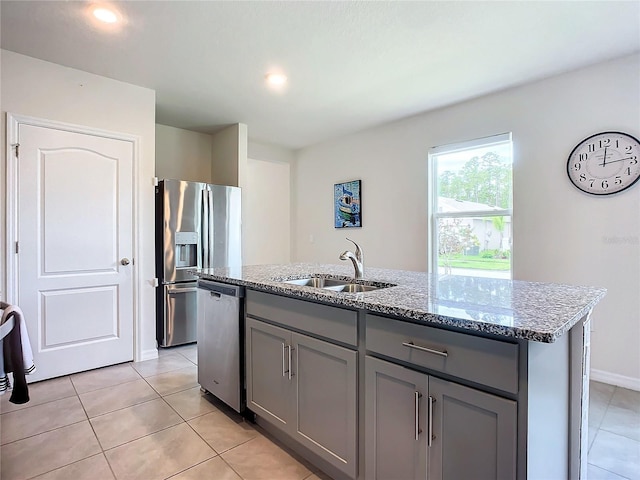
93,198
65,316
75,225
393,450
180,314
269,389
325,377
474,433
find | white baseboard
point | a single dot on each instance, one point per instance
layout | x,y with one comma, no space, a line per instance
614,379
148,355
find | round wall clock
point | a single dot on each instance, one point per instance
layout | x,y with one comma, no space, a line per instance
605,163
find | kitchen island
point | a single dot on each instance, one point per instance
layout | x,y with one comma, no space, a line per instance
489,376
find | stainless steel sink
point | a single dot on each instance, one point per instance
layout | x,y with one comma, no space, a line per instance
353,288
317,282
337,285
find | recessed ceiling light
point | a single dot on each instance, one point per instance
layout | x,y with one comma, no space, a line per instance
276,79
105,15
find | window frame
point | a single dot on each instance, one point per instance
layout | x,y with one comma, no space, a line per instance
432,201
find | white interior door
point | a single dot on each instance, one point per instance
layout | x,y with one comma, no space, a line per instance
75,234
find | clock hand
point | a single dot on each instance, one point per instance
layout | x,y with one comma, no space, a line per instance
604,159
614,161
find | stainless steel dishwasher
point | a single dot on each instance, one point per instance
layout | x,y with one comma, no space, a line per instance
220,341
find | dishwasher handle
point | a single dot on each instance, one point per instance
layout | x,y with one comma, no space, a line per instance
221,288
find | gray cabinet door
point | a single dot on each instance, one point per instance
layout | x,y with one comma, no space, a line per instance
269,390
395,422
326,384
474,434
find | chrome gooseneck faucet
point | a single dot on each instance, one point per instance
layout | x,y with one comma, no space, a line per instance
356,259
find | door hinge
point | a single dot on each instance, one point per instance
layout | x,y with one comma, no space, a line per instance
17,247
17,145
155,181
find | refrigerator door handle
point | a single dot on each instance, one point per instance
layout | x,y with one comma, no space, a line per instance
204,234
211,228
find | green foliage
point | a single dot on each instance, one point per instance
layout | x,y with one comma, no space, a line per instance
504,254
501,254
453,238
475,262
485,179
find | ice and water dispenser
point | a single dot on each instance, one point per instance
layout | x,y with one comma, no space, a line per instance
186,249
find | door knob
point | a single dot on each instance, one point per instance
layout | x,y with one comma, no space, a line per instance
125,261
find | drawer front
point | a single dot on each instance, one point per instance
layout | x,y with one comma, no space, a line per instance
481,360
325,321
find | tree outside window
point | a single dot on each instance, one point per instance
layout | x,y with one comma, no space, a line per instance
471,207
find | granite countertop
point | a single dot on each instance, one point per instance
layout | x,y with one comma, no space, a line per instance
533,311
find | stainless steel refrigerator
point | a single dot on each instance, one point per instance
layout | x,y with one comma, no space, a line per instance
198,225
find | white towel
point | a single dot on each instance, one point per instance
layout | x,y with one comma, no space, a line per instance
6,325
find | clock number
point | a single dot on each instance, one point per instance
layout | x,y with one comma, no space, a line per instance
634,160
628,148
592,147
605,184
618,180
628,170
583,156
605,143
591,180
583,177
577,166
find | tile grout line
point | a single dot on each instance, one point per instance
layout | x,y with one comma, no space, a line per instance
218,454
93,430
40,433
620,435
26,407
609,471
75,423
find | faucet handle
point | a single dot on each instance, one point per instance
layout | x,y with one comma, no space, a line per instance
358,249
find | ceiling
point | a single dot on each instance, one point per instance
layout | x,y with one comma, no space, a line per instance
351,64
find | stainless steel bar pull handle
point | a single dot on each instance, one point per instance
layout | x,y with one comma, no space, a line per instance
284,372
210,244
417,397
430,429
425,349
290,350
204,234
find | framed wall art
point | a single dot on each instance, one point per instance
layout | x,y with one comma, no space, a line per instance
347,204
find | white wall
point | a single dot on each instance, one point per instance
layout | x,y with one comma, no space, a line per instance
183,154
229,155
266,213
267,204
41,89
560,234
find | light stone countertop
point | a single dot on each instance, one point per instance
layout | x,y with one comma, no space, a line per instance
528,310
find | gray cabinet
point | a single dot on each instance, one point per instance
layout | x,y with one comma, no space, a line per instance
395,421
268,385
419,426
306,387
474,433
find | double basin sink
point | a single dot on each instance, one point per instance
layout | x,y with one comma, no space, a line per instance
337,285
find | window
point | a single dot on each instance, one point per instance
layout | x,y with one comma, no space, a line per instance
470,207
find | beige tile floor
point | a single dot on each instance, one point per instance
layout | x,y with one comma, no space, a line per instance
614,433
149,420
141,421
